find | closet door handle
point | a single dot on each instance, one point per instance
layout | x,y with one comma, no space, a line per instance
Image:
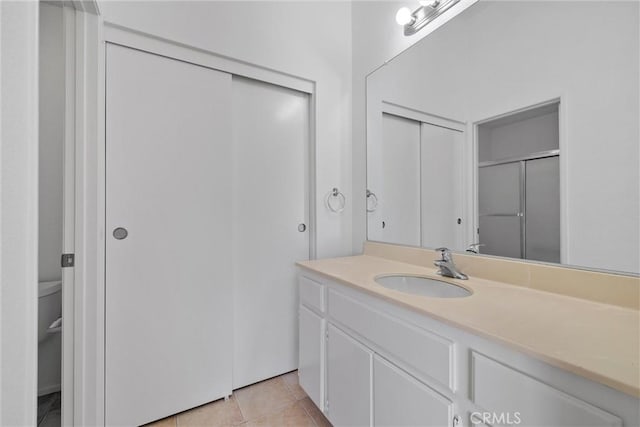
120,233
302,227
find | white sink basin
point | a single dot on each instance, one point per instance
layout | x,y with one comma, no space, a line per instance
424,286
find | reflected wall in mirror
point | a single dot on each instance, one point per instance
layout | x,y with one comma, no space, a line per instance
515,126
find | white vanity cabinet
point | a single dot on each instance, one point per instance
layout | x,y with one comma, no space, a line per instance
367,361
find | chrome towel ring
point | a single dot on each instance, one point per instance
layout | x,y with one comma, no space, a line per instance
335,200
372,201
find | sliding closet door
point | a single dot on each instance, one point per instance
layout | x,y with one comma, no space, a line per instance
270,225
441,183
168,236
399,195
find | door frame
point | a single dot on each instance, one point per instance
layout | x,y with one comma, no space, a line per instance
68,211
563,147
92,34
19,148
19,23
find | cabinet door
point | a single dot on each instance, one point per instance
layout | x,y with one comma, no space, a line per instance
534,404
401,400
348,380
310,369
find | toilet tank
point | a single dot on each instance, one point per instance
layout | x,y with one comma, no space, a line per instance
49,305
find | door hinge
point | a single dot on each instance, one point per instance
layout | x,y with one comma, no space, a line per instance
68,260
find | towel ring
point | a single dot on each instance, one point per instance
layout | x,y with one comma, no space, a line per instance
335,201
372,196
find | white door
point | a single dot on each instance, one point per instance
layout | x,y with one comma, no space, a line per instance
270,226
441,180
168,283
399,197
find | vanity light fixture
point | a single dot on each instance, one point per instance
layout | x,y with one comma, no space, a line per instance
419,18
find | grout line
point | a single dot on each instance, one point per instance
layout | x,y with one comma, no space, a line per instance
313,420
244,419
279,409
291,392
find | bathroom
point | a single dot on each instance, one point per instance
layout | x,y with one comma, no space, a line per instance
351,139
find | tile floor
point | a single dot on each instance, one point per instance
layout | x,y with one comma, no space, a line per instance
276,402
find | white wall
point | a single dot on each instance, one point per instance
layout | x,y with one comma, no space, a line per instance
519,138
472,72
18,212
307,39
52,104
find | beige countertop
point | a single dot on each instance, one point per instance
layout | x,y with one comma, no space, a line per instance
598,341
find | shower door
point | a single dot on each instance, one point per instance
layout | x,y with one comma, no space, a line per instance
501,213
519,209
168,273
542,201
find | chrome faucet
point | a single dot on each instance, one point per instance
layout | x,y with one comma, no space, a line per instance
446,267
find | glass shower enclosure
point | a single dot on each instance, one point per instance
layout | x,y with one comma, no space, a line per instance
519,185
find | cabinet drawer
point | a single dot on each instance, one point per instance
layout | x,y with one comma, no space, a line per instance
505,392
426,354
311,293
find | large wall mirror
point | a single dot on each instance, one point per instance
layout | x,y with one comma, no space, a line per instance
515,127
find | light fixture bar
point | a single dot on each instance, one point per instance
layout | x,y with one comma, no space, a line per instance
425,14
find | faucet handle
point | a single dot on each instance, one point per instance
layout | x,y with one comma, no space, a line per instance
445,254
473,247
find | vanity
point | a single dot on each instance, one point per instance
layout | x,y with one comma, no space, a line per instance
507,354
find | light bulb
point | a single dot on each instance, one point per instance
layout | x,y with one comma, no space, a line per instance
403,16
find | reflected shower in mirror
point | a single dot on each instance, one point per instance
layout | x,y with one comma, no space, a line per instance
519,185
514,127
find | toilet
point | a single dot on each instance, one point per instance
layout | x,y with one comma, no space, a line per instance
49,336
